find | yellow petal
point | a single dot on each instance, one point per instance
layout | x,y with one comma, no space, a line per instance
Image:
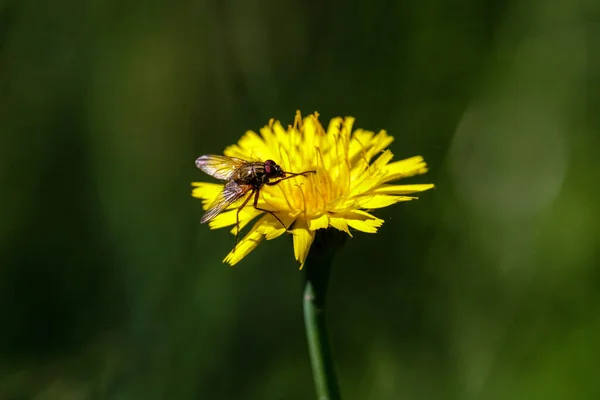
346,132
366,177
362,221
280,133
321,222
405,168
303,238
206,191
335,125
246,245
368,226
269,137
227,218
283,158
244,220
236,151
402,189
358,151
381,200
310,136
250,147
272,228
382,140
340,224
250,140
382,160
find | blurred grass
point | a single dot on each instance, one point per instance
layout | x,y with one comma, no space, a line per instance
110,288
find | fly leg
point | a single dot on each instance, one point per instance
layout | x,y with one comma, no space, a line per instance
290,175
268,211
237,218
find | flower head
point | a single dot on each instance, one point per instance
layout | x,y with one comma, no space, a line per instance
352,174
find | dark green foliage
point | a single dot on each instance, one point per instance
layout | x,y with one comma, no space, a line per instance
485,288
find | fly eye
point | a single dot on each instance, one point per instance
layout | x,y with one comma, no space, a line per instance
270,167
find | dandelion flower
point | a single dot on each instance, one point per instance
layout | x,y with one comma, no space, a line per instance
353,171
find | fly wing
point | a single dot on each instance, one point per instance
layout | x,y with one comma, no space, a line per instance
220,167
231,192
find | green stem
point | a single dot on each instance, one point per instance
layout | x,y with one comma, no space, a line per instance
317,271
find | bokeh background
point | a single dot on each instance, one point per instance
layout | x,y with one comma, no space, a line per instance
486,288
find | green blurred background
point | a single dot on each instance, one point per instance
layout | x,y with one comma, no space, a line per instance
486,288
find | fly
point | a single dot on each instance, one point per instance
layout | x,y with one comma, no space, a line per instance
243,178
